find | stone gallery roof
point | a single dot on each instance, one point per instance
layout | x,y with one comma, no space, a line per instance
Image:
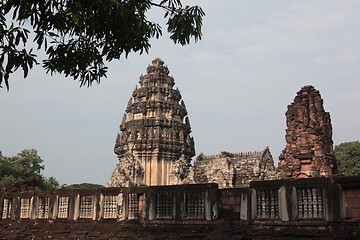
234,169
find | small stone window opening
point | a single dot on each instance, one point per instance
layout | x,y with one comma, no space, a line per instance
164,204
86,206
310,202
110,206
24,207
133,206
267,203
195,204
63,207
43,207
7,207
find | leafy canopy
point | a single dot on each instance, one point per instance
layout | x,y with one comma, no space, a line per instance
79,35
348,158
23,172
82,186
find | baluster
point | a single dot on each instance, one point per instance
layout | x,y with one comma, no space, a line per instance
5,208
157,195
196,204
315,202
266,203
263,203
258,200
310,202
300,203
272,201
320,203
203,204
305,201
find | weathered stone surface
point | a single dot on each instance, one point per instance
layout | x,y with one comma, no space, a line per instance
230,170
269,230
309,145
154,146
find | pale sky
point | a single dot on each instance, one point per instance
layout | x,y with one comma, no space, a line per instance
236,83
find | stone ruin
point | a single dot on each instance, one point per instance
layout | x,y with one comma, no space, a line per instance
154,146
231,170
309,145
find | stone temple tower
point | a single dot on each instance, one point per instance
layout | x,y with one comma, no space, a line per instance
154,146
309,145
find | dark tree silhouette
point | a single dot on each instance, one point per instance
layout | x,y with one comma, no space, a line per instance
78,36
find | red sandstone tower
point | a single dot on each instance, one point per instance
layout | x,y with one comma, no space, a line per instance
309,145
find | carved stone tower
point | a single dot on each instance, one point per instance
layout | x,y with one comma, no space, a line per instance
309,145
154,146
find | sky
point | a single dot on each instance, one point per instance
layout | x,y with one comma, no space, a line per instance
236,83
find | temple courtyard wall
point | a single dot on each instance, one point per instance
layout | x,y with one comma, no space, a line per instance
313,208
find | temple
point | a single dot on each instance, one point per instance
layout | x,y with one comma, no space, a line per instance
309,145
223,196
154,146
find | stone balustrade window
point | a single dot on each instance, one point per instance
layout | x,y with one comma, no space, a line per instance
110,206
164,204
7,207
267,204
310,202
43,207
24,207
133,206
195,204
86,206
63,207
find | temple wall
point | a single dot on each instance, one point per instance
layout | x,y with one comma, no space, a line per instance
317,208
180,202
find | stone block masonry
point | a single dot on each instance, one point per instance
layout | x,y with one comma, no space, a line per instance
313,208
174,203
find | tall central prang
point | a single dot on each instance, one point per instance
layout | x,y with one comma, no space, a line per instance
154,146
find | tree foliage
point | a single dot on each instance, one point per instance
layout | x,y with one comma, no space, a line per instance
348,158
78,36
23,172
82,186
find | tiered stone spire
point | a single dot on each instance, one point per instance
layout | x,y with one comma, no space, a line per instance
309,145
154,146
